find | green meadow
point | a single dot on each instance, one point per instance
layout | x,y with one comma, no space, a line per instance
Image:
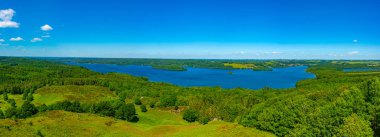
152,123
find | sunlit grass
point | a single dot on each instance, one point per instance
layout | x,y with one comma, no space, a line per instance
83,94
152,123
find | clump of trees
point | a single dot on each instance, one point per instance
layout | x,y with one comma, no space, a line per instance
190,115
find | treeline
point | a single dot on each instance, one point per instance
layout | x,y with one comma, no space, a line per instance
116,109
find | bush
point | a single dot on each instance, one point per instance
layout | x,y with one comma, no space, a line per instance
43,108
176,107
168,101
127,112
10,112
5,96
1,114
133,118
190,115
143,108
204,120
12,102
138,101
39,133
152,104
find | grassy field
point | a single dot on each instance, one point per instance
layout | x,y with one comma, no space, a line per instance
155,122
83,94
5,105
240,66
152,123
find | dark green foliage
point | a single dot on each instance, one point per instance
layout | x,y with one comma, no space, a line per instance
12,102
122,96
203,120
131,113
168,101
2,116
42,108
230,112
137,101
133,118
25,95
152,104
143,108
104,108
27,109
127,112
190,115
5,96
10,112
39,133
30,97
176,107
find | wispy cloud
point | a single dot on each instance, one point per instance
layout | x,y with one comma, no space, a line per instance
6,19
353,53
36,40
16,39
274,52
2,40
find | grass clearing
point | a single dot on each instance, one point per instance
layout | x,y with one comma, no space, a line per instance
152,123
240,66
5,105
83,94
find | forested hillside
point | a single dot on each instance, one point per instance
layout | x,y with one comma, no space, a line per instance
336,103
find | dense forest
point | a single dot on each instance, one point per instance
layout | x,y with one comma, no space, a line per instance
335,103
181,65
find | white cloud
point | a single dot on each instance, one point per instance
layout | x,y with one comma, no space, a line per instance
16,39
46,28
6,19
36,40
2,40
273,52
353,53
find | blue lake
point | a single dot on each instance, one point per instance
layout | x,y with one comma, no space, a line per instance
278,78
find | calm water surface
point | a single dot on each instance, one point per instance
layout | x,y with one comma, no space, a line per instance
278,78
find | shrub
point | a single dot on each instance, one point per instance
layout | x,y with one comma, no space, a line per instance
138,101
39,133
5,96
176,107
152,104
190,115
1,114
168,101
127,112
143,108
133,118
43,108
204,120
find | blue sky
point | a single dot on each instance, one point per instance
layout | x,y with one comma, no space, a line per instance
236,29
